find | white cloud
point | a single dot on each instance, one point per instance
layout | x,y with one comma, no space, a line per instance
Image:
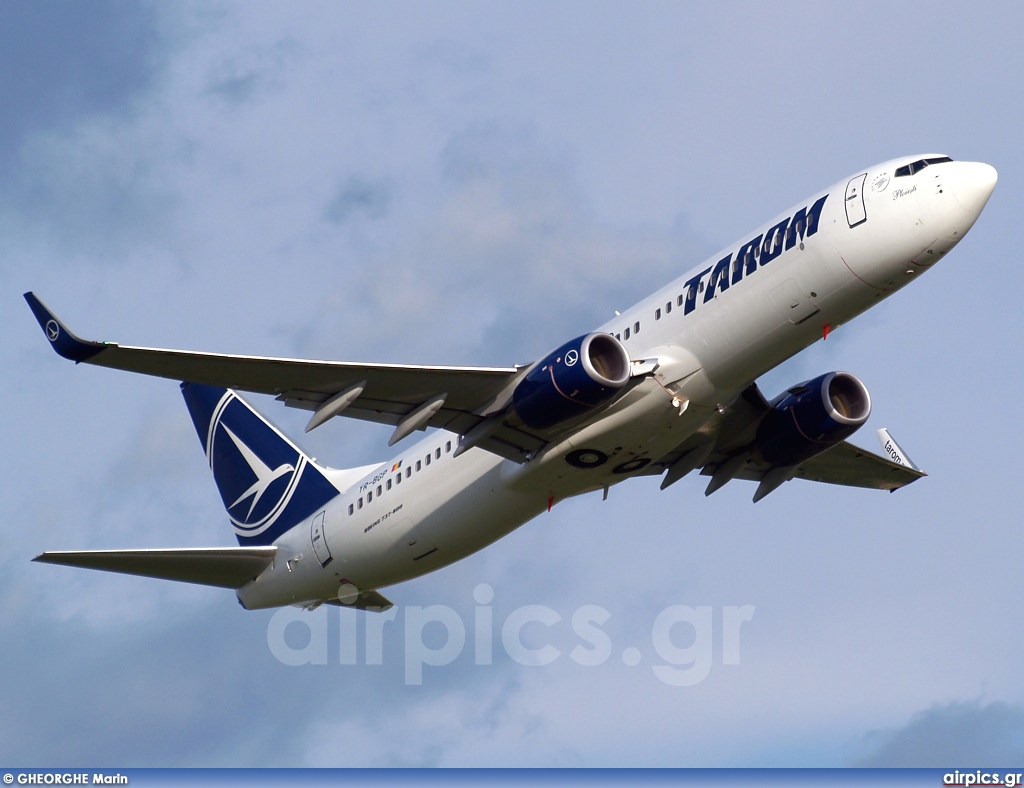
959,734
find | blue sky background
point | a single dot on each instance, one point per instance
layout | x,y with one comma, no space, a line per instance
473,184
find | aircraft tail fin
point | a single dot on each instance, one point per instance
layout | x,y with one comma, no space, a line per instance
267,483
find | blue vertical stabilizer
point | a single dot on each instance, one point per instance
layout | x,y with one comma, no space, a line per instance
267,483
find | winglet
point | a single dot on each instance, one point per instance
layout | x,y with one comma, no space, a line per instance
64,342
892,450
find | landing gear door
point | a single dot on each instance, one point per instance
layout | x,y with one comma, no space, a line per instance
856,213
316,536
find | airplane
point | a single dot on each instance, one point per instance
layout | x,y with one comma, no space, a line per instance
665,388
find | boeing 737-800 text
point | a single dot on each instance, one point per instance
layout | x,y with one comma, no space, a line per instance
666,388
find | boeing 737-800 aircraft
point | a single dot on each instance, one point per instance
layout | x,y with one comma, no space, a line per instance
665,388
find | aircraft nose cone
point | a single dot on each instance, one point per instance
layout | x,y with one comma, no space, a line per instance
973,185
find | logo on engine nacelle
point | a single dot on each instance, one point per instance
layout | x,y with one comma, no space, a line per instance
571,358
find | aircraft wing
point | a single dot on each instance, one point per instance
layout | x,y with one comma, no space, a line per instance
852,466
844,464
409,397
728,439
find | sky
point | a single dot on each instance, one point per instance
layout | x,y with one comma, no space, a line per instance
458,183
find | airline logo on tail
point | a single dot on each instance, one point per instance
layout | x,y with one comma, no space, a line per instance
264,476
255,489
267,484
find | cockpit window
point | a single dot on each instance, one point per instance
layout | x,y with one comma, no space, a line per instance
919,165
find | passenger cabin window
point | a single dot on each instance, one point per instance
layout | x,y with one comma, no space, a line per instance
636,327
427,460
359,503
418,465
625,334
447,447
668,307
679,300
351,508
398,479
408,472
437,453
389,484
657,313
920,164
379,491
369,496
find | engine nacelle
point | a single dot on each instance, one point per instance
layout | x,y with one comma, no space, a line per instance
812,417
577,377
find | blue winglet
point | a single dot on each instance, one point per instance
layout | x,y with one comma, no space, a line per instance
64,342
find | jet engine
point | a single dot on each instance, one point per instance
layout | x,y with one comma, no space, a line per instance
577,377
812,417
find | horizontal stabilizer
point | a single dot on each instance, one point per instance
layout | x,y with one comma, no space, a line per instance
226,567
364,600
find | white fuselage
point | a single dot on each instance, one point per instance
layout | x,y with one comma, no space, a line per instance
875,233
